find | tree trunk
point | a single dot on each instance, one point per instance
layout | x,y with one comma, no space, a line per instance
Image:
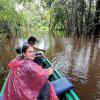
96,21
88,16
75,17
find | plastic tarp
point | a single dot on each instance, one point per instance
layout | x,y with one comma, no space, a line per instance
62,85
26,81
1,97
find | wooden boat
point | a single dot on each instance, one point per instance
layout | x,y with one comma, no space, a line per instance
66,95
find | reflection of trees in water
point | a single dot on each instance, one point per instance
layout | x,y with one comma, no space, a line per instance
55,47
80,60
75,59
94,71
7,52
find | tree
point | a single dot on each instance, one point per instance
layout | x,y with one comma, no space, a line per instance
97,18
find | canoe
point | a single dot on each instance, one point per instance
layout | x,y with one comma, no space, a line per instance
70,94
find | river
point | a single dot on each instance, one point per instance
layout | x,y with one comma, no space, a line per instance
76,58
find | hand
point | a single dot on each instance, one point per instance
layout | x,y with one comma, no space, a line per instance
50,70
43,50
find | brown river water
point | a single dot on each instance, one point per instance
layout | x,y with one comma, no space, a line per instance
78,59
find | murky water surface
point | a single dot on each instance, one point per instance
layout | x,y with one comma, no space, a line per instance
77,58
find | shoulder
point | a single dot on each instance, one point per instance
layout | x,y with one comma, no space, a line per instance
25,42
14,63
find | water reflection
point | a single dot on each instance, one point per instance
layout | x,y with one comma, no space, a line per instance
80,59
77,58
7,52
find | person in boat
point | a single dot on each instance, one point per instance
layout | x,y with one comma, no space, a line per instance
28,80
31,42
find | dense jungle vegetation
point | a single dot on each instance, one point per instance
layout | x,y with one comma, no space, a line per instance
71,17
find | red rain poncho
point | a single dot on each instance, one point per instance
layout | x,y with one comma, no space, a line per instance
26,80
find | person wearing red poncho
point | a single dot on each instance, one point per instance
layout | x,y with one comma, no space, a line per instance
27,79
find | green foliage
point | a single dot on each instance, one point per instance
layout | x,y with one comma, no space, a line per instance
30,17
26,16
73,16
23,1
49,2
61,12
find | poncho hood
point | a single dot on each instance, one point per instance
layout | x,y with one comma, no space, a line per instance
14,63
